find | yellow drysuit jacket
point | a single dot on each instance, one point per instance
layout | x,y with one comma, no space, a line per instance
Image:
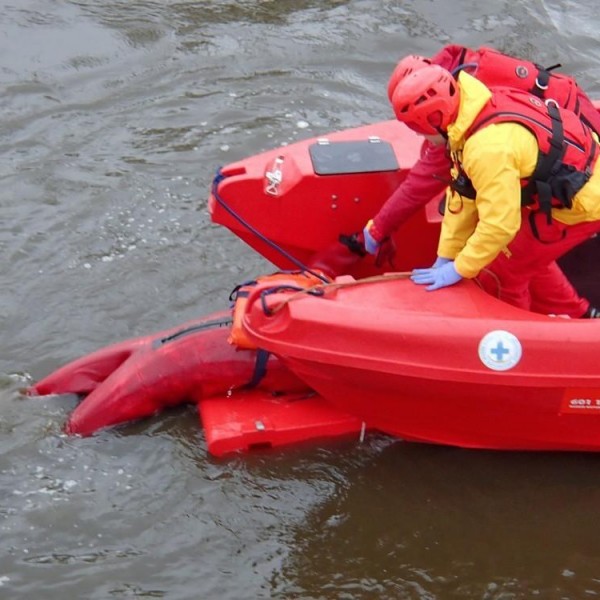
495,158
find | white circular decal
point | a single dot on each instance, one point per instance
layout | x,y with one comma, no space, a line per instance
500,350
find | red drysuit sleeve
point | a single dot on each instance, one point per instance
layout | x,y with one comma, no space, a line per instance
427,179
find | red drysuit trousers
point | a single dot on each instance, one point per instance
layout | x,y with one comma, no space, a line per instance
527,275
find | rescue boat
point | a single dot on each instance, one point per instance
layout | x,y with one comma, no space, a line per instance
309,353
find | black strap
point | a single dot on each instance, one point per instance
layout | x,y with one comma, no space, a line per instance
549,162
237,292
590,160
542,80
192,329
541,83
536,233
260,368
353,244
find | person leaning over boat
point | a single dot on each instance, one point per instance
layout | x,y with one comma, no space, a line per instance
428,178
528,175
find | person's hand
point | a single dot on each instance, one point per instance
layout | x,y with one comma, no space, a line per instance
371,238
436,278
440,262
382,248
371,244
385,253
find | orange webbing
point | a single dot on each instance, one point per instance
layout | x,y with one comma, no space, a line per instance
302,279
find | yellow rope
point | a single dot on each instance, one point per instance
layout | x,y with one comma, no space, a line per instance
325,287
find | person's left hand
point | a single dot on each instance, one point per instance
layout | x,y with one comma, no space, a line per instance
440,262
436,278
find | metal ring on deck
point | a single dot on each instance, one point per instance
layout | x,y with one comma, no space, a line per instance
539,85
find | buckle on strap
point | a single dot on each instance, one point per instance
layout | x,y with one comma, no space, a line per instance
540,85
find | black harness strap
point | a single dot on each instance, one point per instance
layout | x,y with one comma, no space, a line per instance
541,83
592,156
549,163
542,80
260,369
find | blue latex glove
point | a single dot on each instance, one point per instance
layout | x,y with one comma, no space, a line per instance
440,262
436,278
371,244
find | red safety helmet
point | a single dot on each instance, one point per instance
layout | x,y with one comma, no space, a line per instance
405,67
427,100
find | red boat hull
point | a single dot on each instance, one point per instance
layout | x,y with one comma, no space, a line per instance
307,211
416,365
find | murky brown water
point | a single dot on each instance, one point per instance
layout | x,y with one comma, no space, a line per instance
115,115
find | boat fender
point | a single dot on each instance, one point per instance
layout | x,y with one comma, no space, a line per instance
300,280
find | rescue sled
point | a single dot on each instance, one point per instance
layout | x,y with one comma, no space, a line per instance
301,356
246,398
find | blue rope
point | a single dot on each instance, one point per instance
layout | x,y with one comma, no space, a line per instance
216,181
283,288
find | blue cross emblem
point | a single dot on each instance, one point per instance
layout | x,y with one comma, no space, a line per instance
499,351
